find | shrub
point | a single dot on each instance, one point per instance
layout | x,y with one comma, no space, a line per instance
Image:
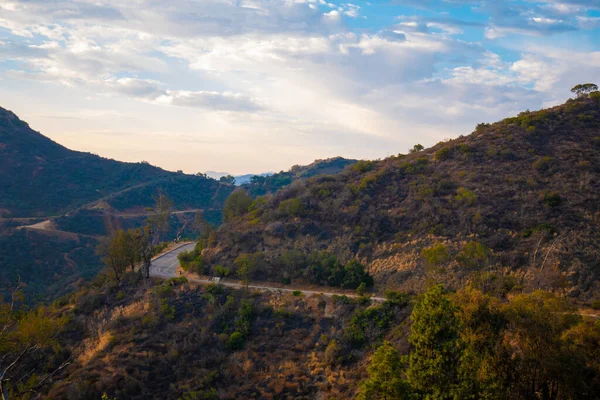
465,196
542,163
214,289
167,310
397,298
596,305
552,199
292,207
235,341
221,271
474,255
363,166
442,154
481,126
297,293
333,353
436,255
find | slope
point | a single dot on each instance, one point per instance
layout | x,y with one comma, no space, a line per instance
40,177
514,204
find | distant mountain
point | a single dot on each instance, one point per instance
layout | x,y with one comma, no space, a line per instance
239,179
244,179
513,205
40,177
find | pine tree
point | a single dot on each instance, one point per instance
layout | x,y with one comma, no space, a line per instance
434,362
385,376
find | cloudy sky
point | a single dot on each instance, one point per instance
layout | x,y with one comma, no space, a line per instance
260,85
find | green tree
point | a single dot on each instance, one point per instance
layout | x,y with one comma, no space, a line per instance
433,370
355,275
385,376
245,266
436,255
584,89
237,204
230,179
417,148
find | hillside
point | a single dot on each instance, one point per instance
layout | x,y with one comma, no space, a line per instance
88,194
40,177
171,339
265,184
513,205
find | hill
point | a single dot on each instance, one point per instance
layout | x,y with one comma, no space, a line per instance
514,205
40,177
260,185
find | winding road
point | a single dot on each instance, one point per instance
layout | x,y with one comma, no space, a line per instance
165,266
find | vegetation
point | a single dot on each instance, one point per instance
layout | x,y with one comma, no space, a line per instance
469,345
41,177
482,196
585,89
262,185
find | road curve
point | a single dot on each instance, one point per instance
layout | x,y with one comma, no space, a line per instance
165,266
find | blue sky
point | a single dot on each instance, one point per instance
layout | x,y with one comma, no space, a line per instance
260,85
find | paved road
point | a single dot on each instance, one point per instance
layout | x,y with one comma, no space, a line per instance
166,265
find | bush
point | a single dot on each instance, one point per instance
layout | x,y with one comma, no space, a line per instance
397,298
596,305
542,163
442,154
235,341
552,199
167,310
465,196
221,271
435,255
292,207
214,289
363,166
325,269
297,293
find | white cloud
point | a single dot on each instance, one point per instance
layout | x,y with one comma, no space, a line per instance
272,75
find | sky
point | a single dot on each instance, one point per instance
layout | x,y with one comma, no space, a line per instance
247,86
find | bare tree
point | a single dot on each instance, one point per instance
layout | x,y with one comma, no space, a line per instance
159,219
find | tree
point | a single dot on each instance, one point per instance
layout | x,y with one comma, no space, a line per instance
434,360
237,204
245,266
203,227
114,254
146,251
417,148
584,89
355,275
228,179
545,367
158,220
385,376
